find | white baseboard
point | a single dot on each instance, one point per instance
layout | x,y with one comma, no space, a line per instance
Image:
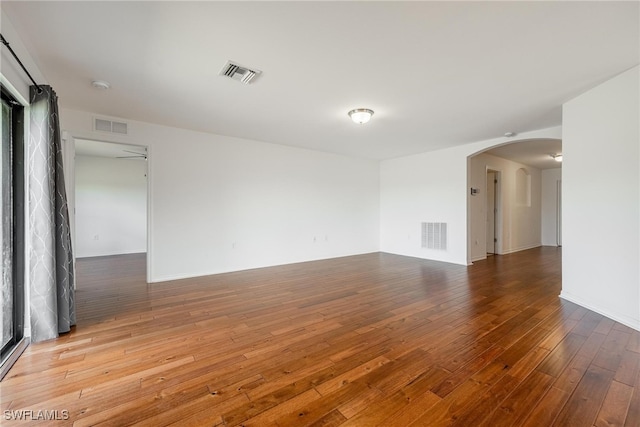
478,258
521,248
625,320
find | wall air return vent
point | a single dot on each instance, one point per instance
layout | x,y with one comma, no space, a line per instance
434,235
238,72
105,125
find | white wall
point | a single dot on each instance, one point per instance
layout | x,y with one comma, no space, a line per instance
550,179
224,204
519,222
433,186
601,199
111,206
12,74
428,187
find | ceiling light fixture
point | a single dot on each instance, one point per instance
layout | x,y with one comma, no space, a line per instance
100,84
509,134
361,115
556,157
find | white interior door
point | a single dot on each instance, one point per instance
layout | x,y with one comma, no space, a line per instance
491,212
559,213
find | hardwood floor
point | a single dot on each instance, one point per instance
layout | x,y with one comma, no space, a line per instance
375,339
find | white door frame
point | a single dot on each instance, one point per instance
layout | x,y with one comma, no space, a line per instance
68,143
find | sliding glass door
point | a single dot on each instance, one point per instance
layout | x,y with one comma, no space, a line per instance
6,229
12,230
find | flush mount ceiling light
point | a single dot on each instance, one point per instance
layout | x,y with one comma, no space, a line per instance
100,84
509,134
361,115
556,157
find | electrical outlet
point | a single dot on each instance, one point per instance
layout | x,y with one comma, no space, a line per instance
96,237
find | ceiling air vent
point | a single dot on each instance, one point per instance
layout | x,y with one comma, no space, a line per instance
238,72
104,125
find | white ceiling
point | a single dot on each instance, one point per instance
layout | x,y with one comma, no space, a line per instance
534,152
437,74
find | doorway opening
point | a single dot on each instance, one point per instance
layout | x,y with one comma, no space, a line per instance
492,211
518,212
559,212
111,200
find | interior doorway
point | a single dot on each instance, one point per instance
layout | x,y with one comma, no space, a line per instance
507,219
110,199
492,211
559,213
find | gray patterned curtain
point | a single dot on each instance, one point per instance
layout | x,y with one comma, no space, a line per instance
51,273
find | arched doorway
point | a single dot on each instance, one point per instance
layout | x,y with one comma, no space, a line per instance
514,198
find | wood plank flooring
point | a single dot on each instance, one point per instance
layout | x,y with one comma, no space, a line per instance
367,340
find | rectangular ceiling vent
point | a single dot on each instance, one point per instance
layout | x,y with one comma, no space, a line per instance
238,72
104,125
434,235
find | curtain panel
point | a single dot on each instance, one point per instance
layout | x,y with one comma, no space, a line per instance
51,273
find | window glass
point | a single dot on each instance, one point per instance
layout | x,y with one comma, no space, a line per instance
6,231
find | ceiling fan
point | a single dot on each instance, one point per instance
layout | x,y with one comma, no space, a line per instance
136,155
